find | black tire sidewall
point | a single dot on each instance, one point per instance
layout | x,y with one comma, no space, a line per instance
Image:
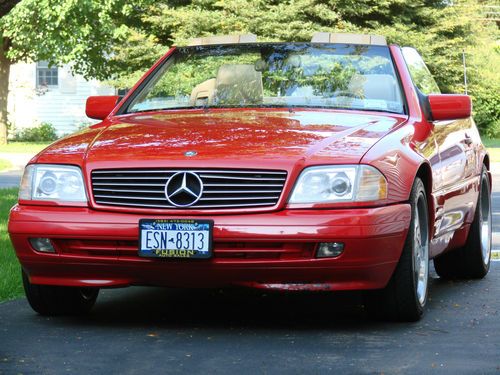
59,300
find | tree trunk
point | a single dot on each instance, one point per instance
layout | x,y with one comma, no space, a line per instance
4,88
6,6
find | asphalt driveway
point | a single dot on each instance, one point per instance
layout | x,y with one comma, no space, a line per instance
10,179
158,331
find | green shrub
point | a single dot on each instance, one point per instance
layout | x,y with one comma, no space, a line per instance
486,107
44,132
82,125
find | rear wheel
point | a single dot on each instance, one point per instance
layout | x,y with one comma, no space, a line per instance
471,261
405,295
59,300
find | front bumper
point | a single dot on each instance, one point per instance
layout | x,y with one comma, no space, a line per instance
271,250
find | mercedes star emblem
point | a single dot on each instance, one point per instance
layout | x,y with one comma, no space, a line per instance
184,189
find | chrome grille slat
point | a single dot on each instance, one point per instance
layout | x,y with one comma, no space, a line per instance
239,198
130,178
190,170
202,199
143,171
193,207
221,188
129,197
161,191
123,184
216,177
243,185
242,191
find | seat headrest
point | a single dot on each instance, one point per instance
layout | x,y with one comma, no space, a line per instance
203,93
238,84
376,86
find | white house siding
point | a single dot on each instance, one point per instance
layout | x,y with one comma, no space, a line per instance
62,106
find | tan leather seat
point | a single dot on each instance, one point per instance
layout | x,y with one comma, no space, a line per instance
238,84
203,93
375,86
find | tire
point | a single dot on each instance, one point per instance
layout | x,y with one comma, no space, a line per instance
471,261
405,296
59,300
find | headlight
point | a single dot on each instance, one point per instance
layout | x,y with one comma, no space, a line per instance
331,184
52,182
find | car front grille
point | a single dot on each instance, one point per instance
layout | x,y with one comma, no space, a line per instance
222,188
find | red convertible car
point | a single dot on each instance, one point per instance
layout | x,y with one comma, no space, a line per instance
330,165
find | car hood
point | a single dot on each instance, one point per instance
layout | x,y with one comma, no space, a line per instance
223,138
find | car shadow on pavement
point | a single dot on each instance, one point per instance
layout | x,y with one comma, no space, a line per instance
217,308
238,308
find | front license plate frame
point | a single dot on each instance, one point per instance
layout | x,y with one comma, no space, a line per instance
195,239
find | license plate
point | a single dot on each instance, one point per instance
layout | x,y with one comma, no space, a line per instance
175,238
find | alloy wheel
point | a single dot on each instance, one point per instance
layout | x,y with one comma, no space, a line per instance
421,250
485,223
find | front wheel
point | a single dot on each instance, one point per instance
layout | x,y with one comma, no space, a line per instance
405,295
59,300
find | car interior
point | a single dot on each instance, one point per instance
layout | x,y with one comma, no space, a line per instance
242,83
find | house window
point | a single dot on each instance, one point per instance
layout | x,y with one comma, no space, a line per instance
46,76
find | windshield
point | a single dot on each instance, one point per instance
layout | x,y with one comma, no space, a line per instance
357,77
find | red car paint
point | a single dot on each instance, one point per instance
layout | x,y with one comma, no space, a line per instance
442,110
272,247
98,107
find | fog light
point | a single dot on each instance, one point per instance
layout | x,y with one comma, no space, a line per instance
43,245
329,249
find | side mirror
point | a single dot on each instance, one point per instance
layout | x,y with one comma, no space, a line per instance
449,106
99,107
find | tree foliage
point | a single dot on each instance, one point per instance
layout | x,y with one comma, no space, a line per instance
81,32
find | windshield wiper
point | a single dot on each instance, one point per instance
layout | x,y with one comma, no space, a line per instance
165,109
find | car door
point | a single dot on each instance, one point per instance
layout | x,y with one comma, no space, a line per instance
453,169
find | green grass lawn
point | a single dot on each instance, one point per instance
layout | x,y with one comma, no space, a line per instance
5,165
24,147
489,142
493,146
10,270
